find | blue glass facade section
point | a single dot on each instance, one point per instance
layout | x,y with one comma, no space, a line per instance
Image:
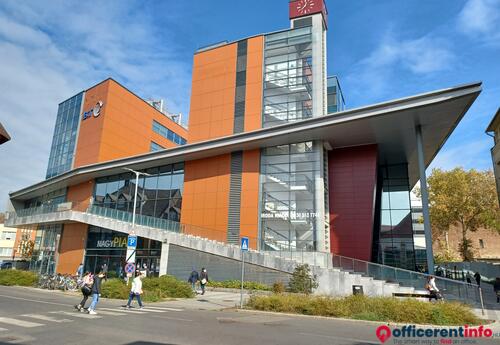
155,147
64,137
168,134
335,98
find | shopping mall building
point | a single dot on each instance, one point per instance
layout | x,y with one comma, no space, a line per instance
270,153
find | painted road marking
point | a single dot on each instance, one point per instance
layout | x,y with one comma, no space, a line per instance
146,310
122,310
46,318
105,312
19,323
3,329
163,308
80,315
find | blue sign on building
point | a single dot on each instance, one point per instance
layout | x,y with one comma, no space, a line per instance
132,241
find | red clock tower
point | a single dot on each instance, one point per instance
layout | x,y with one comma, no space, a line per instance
302,8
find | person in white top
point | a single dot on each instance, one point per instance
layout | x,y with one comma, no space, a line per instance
136,290
433,289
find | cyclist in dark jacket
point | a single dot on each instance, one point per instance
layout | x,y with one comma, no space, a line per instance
96,292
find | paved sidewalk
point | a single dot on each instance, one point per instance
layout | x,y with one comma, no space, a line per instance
211,300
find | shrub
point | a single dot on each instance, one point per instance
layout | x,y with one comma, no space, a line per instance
278,287
236,284
302,280
18,277
368,308
166,286
154,289
115,288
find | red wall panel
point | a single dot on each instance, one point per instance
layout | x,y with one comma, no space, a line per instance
352,174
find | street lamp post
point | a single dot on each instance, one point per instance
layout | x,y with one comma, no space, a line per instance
137,174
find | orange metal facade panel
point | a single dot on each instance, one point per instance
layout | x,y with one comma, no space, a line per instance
206,196
90,132
80,195
249,211
253,97
71,248
110,136
212,98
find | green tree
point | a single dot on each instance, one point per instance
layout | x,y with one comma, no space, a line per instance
302,281
466,199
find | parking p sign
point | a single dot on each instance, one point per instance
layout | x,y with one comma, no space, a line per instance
132,241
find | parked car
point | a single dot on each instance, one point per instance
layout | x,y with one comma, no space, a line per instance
6,265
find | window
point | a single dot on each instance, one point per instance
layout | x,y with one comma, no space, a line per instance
481,244
167,133
8,235
5,251
155,147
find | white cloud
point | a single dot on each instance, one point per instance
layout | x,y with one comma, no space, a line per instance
481,19
52,50
419,57
472,154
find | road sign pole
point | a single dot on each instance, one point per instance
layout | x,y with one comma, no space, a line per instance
242,277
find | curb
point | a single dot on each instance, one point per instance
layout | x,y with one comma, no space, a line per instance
378,323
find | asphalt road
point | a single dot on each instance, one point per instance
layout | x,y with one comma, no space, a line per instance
31,316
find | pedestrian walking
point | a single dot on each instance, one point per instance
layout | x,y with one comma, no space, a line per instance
104,270
193,279
96,292
433,289
86,288
477,275
496,287
136,290
203,279
469,278
79,271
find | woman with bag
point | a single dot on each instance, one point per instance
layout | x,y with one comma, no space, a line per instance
87,282
136,290
203,279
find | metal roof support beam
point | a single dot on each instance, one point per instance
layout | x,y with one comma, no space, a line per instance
425,200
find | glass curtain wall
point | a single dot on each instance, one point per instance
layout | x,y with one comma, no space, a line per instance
288,212
159,195
52,198
44,256
64,137
287,77
395,242
335,98
108,247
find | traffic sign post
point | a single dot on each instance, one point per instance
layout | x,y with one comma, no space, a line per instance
130,268
244,248
131,248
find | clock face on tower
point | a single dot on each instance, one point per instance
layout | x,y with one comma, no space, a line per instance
305,6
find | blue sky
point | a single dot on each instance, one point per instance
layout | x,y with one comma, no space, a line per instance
50,50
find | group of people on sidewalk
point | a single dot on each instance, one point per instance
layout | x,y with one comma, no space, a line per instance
201,278
91,286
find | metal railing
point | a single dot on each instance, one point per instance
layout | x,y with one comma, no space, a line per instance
451,289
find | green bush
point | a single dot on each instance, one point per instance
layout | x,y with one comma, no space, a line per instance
360,307
278,287
115,288
166,286
154,289
18,277
302,281
236,284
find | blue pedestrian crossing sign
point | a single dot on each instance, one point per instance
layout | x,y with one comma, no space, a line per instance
244,243
132,241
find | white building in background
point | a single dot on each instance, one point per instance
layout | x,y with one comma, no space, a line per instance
7,241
